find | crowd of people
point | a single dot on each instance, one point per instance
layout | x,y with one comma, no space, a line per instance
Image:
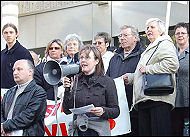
23,106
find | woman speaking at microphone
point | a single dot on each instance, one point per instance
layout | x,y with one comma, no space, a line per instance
91,86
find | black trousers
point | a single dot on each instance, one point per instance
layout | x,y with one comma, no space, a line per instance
134,124
154,118
179,114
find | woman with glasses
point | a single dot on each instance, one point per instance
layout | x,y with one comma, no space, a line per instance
72,45
54,51
102,43
91,86
180,114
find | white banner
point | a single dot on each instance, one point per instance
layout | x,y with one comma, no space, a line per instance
123,123
52,128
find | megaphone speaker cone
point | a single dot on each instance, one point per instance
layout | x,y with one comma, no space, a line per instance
52,72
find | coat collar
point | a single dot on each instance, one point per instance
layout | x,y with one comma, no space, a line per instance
159,39
95,79
139,48
183,54
29,86
15,46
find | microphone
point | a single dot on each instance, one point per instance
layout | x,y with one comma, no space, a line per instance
67,89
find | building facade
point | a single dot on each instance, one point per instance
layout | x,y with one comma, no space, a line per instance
41,21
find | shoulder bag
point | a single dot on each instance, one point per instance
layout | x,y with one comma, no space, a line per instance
157,84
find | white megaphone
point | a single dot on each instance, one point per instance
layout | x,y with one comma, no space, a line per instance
53,71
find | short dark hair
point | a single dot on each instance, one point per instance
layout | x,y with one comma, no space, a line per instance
182,24
105,35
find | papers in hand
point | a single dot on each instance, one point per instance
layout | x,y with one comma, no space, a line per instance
81,110
17,133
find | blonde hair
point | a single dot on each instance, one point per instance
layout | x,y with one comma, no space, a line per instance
58,41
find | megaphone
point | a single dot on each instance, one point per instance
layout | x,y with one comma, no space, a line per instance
53,71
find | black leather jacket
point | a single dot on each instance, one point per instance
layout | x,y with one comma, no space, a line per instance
29,110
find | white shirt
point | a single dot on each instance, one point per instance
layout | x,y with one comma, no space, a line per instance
106,59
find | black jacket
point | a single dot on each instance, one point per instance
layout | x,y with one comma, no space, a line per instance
100,91
29,110
8,58
119,66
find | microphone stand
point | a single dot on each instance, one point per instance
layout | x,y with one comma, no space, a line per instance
76,84
55,93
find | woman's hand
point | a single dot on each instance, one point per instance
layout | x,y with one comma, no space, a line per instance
68,82
98,111
142,69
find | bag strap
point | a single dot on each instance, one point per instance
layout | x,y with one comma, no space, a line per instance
154,51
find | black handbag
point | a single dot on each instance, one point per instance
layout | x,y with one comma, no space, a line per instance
157,84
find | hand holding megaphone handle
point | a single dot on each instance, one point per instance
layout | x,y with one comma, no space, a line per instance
67,89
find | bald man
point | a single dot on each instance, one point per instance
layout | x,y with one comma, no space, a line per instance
23,106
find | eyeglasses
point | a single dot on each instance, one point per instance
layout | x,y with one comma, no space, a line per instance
56,48
182,33
73,44
123,35
86,58
98,42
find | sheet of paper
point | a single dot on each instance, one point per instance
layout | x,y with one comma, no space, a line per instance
17,133
82,110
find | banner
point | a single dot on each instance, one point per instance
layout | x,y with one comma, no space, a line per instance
59,127
123,123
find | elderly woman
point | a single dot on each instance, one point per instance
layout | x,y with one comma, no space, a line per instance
54,51
72,45
154,111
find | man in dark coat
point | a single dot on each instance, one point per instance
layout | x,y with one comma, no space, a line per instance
13,52
125,61
23,106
